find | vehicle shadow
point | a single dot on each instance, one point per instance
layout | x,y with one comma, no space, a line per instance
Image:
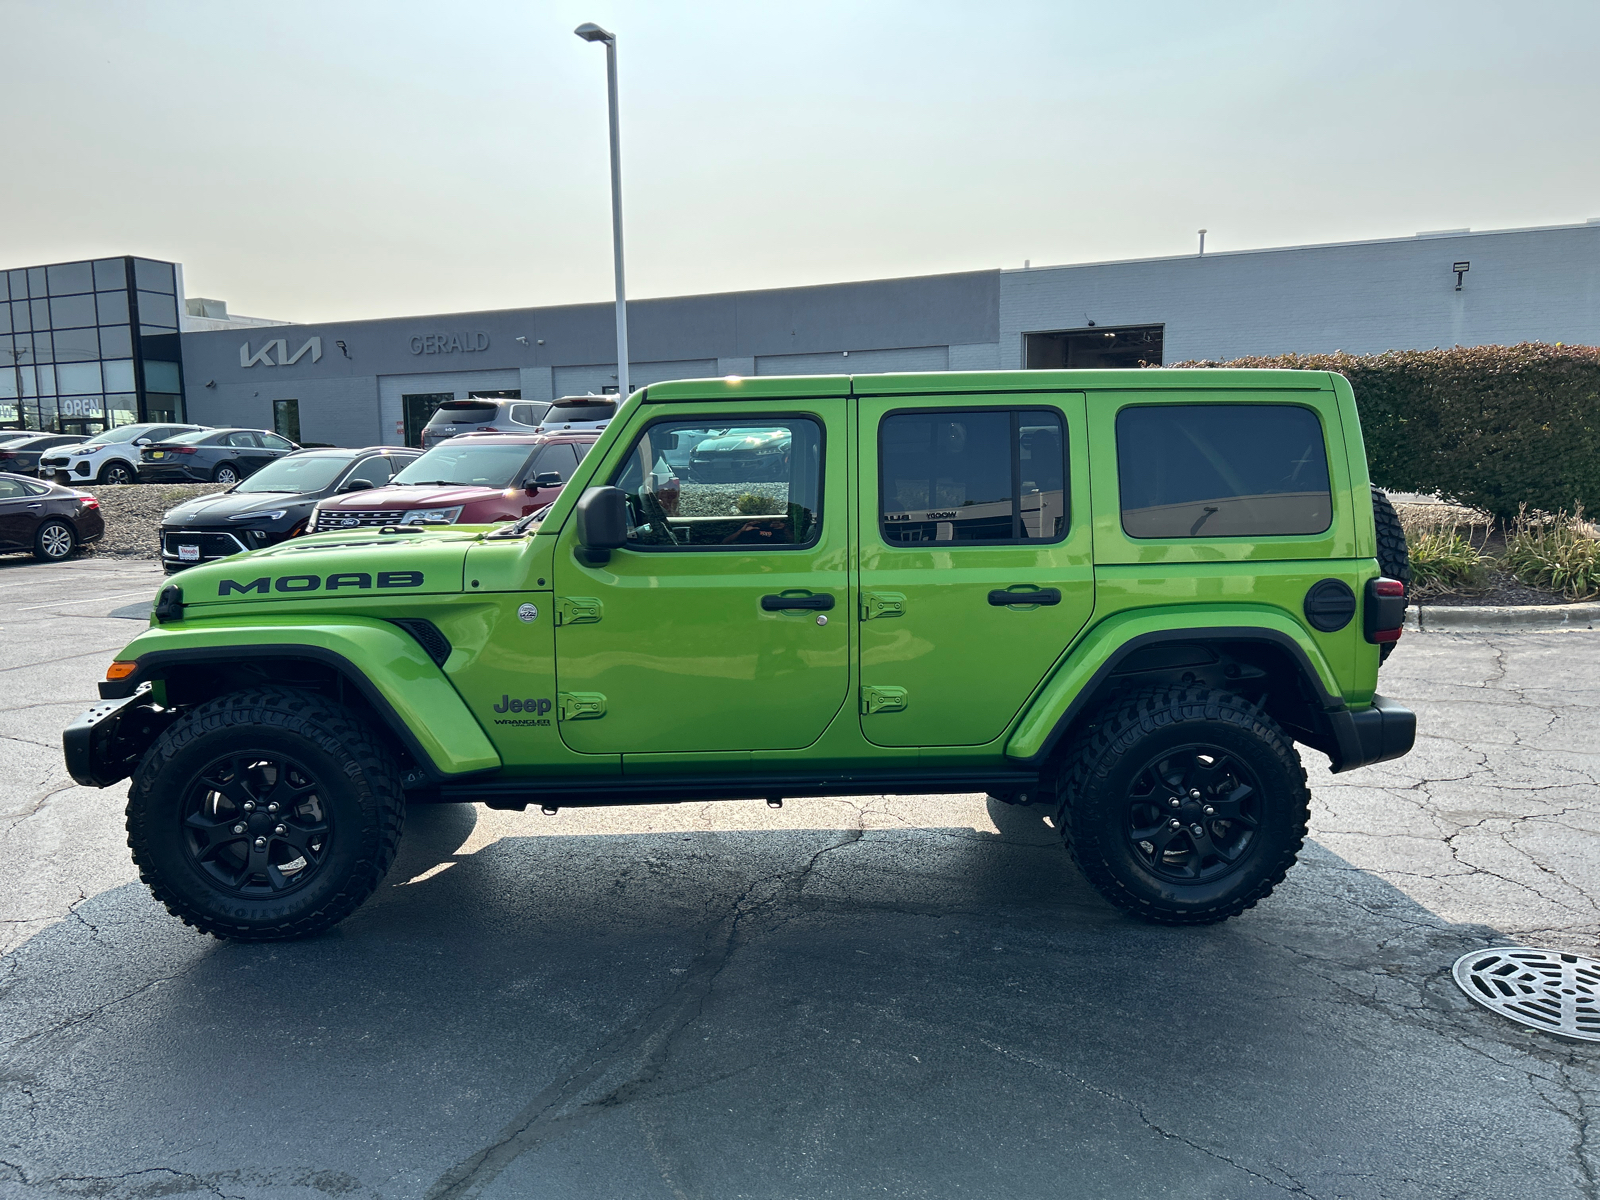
775,1013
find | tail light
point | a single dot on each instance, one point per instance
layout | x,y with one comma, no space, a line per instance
183,450
87,502
1385,610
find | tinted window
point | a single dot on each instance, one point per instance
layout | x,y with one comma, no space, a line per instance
112,307
752,484
460,412
528,414
564,414
458,461
273,442
962,476
12,489
241,439
195,437
70,277
1222,470
559,458
68,311
376,469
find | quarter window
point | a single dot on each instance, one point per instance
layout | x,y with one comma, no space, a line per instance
972,476
707,484
1222,470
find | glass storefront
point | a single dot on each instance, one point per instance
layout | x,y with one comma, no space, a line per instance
85,346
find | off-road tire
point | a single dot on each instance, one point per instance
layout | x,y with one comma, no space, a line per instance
55,541
228,474
117,472
1099,774
357,781
1394,556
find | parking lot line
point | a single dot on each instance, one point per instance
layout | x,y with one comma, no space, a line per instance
90,600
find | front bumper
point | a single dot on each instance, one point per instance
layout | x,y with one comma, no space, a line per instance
211,544
1377,734
104,745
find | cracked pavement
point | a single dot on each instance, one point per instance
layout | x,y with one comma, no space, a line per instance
906,996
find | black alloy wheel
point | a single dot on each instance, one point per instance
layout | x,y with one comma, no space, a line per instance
227,474
1183,805
55,541
266,814
256,825
117,472
1193,813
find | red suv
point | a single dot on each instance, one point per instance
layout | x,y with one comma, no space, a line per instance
474,479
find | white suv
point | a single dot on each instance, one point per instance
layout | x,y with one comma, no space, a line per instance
109,457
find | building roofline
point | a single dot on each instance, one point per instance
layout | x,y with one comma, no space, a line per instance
1426,235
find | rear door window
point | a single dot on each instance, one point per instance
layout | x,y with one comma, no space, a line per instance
980,476
241,439
1222,470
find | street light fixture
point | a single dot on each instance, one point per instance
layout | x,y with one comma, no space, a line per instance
590,32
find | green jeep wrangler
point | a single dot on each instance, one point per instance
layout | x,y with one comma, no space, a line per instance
1121,595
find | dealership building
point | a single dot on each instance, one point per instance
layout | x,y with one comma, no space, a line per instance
116,339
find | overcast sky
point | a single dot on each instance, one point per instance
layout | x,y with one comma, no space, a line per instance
313,161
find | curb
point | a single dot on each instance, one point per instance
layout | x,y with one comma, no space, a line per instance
1523,618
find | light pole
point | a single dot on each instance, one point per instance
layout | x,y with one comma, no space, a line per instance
591,32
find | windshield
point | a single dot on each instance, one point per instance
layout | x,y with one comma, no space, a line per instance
598,410
297,473
188,439
482,465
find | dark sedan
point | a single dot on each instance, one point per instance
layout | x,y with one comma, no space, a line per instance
272,505
46,518
211,456
20,456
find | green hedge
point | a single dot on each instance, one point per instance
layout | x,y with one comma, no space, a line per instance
1490,426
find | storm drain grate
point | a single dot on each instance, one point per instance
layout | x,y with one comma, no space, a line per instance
1545,989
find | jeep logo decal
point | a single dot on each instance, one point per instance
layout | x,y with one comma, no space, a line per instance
311,583
507,704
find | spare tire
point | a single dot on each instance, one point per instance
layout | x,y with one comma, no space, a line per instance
1394,557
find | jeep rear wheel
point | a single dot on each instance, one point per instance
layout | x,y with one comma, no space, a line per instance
265,815
1185,806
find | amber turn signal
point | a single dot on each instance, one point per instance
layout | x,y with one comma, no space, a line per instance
120,670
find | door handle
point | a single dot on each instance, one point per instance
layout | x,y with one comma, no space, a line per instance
782,603
1003,599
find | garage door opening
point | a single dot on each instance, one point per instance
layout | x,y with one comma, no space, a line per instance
1119,346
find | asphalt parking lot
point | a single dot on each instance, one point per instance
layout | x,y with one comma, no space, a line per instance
842,998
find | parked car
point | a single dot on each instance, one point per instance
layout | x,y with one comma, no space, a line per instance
455,417
109,457
46,518
473,480
915,608
20,456
579,412
11,435
211,456
274,504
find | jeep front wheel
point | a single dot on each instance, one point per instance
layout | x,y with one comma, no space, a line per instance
264,815
1185,806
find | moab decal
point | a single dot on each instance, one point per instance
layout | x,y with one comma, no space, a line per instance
312,583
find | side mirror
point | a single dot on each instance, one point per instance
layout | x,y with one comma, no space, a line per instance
602,515
358,485
545,479
141,441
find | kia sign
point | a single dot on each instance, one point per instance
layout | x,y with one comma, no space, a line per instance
263,356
